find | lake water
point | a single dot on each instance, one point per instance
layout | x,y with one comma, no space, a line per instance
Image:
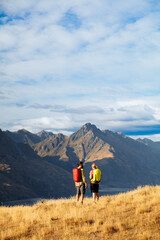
113,191
32,201
25,202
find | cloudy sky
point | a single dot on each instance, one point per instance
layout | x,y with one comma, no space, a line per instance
68,62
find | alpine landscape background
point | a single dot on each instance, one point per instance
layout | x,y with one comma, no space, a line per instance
40,165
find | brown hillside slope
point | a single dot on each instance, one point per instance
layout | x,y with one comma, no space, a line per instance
53,146
130,216
86,144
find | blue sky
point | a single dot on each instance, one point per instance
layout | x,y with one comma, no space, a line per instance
66,63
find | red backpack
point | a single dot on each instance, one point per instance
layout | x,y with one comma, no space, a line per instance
77,175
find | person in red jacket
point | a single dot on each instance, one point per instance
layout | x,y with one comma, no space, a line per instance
82,185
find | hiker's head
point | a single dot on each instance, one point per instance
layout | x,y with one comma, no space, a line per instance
80,164
94,166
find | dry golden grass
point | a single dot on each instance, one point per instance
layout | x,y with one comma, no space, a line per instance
134,215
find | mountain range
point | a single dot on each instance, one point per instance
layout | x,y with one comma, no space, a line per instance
40,165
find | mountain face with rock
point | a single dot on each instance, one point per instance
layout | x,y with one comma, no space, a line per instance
24,136
124,162
23,174
150,143
86,144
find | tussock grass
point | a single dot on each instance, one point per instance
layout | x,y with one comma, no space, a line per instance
133,215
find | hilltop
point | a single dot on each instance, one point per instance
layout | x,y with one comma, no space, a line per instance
133,215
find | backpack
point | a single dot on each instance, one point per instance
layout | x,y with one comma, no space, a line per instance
96,175
77,177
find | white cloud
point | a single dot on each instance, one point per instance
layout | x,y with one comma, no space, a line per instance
59,124
61,118
109,60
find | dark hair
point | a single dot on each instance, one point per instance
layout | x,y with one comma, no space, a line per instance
80,164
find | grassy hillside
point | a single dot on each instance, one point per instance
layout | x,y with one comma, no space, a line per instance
134,215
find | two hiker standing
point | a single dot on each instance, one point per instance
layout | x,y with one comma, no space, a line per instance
81,184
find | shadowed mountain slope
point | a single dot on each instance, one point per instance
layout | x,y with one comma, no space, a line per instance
23,174
124,162
150,143
24,136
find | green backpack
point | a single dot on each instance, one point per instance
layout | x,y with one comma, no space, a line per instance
96,175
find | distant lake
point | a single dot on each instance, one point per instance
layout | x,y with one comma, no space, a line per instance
32,201
25,202
113,191
109,191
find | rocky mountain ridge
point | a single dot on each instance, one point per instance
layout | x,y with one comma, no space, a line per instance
124,162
